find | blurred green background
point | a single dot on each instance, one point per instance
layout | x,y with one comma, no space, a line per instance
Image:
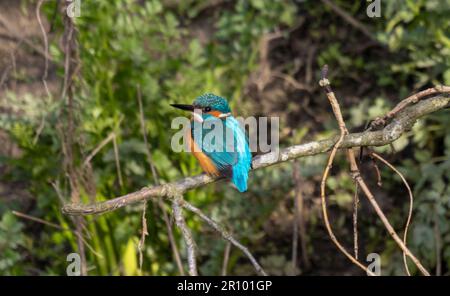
265,57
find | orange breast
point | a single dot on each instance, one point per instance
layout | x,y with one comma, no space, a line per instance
215,113
205,162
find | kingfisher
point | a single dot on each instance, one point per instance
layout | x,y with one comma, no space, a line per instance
217,140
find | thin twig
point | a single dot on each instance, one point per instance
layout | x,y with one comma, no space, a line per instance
23,40
117,159
102,144
411,202
38,220
5,75
355,222
41,221
144,233
190,245
386,223
299,224
44,35
413,99
12,35
144,135
350,19
68,34
438,238
226,257
295,233
377,172
290,80
46,59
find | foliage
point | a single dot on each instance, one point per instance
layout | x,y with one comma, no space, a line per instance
175,53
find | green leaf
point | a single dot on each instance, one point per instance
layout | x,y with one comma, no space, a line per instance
129,259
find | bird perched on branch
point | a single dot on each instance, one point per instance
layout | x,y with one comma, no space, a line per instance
217,140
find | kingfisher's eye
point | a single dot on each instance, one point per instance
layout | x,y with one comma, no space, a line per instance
206,109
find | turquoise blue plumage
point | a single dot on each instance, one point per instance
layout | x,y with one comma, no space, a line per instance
219,137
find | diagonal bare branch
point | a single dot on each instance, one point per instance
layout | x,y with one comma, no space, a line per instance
187,235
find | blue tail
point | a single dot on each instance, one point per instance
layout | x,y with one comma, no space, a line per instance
241,168
240,176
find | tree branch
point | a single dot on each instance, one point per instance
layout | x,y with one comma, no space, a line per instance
358,179
225,234
401,123
325,83
190,244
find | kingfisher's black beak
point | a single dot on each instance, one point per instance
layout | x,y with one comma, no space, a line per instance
183,107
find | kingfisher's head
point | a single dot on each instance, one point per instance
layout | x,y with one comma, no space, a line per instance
207,105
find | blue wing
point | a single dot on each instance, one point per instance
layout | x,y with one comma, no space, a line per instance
225,143
241,168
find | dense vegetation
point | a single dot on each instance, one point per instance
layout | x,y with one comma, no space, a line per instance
175,52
